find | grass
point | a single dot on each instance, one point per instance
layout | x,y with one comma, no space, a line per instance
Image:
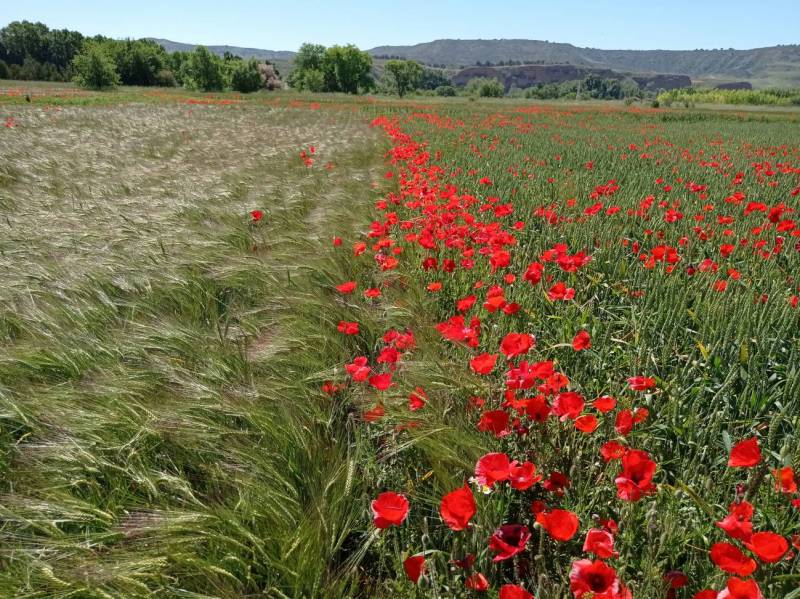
163,431
161,415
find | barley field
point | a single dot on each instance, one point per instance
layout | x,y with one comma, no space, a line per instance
282,345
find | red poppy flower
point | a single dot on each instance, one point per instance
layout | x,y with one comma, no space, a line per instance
523,476
417,399
484,363
495,422
560,291
676,580
738,523
256,215
477,582
561,525
568,405
512,591
348,328
593,579
457,508
770,547
516,344
641,383
465,304
623,423
389,509
389,355
706,594
730,559
600,542
612,450
784,480
587,423
581,341
556,483
374,414
745,454
382,381
347,287
741,589
534,273
604,404
636,478
414,567
509,540
491,468
359,369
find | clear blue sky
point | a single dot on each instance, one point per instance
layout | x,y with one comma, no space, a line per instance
284,25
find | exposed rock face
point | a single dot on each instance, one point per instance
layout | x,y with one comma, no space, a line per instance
529,75
735,85
653,82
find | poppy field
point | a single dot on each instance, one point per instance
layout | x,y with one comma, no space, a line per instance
369,348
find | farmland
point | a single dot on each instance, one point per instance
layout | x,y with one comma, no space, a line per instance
294,346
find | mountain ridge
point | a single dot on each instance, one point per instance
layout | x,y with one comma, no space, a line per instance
764,67
244,52
780,63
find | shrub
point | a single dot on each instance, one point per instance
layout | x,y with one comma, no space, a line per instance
446,91
270,78
94,69
166,78
245,76
5,72
313,81
485,87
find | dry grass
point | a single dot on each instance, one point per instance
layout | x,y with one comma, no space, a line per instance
161,426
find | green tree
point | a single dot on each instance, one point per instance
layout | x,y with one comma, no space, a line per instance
203,71
23,39
175,62
138,61
63,45
246,76
94,69
347,69
404,75
308,59
5,72
431,79
335,69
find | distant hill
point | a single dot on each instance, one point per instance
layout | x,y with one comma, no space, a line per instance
529,75
774,65
273,55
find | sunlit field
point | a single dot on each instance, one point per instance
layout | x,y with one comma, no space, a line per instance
286,345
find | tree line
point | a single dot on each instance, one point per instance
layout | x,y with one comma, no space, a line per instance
32,51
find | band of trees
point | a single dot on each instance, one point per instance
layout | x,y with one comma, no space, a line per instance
32,51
